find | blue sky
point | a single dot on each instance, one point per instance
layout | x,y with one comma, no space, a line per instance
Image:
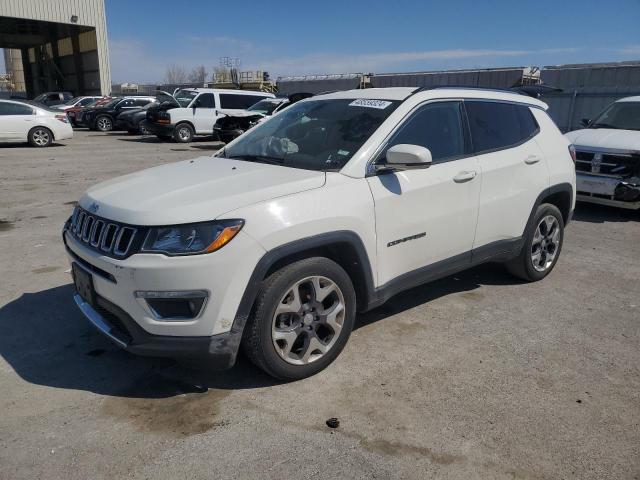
286,37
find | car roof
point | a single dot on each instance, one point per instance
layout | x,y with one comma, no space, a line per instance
402,93
629,99
227,90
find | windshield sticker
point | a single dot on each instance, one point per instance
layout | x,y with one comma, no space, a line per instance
365,102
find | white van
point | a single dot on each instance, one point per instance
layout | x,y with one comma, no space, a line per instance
194,111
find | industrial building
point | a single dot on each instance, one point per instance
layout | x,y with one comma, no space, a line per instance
55,46
586,89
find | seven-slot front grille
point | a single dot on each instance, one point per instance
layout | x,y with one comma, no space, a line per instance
108,237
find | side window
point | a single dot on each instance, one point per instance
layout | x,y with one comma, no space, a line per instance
85,101
528,125
206,100
238,101
15,109
436,126
141,102
53,96
496,125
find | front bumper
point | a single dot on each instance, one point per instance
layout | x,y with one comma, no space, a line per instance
218,351
163,130
607,190
127,320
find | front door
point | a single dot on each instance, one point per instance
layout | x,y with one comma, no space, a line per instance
428,215
204,113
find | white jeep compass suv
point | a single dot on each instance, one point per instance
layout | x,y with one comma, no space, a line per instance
328,208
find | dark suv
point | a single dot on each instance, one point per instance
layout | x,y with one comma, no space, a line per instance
103,117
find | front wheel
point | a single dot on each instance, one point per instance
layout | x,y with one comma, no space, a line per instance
542,245
183,133
302,319
104,124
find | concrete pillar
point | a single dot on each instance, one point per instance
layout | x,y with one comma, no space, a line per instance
13,65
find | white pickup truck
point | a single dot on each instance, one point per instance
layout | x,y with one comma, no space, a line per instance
608,156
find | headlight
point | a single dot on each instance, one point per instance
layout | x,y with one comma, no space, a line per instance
191,239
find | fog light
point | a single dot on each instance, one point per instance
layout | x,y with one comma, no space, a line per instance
175,305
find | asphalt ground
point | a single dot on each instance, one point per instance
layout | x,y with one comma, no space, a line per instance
473,376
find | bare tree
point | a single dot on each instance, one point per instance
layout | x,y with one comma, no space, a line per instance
175,74
198,74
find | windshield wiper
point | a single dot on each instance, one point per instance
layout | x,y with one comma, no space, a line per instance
258,159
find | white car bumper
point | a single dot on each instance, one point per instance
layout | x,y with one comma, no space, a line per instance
605,190
120,310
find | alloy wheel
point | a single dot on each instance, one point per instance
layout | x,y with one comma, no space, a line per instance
546,242
104,124
41,137
308,320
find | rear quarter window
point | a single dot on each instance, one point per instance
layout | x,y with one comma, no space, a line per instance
496,125
238,101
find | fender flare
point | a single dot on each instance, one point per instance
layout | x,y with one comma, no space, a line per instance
553,189
299,246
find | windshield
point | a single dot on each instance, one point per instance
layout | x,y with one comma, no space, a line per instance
314,135
72,101
184,97
619,115
40,98
266,107
111,103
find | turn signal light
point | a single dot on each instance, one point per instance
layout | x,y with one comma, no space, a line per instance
225,237
572,152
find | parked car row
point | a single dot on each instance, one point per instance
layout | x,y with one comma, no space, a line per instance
607,149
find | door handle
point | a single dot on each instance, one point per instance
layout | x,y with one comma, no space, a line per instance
464,176
531,159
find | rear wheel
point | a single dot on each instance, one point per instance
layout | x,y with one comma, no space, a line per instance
40,137
302,319
183,133
104,123
542,245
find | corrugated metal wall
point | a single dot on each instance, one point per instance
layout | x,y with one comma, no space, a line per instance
89,12
288,86
498,78
587,90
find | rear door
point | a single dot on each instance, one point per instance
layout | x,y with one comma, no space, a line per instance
15,121
204,113
513,167
428,215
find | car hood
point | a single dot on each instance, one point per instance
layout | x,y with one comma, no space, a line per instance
606,138
194,190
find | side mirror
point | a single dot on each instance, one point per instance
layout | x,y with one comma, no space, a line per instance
407,156
585,122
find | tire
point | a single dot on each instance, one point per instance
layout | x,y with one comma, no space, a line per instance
302,339
40,137
183,133
104,123
142,130
542,245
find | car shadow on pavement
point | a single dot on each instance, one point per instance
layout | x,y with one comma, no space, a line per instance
468,280
27,145
594,213
47,341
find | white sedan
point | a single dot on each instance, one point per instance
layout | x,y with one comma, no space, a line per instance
22,121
